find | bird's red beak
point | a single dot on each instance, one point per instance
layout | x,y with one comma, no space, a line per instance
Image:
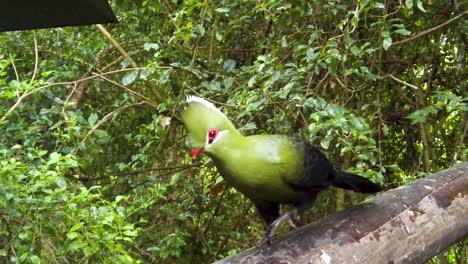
196,152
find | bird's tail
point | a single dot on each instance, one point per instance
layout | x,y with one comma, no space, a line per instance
350,181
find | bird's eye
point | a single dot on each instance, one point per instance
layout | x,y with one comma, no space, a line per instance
212,133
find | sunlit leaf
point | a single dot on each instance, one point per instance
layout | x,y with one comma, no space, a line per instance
387,42
129,78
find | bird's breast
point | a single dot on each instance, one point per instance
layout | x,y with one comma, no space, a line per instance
259,182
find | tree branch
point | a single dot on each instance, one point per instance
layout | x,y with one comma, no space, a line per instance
116,44
108,117
414,87
146,99
26,94
36,58
425,32
409,224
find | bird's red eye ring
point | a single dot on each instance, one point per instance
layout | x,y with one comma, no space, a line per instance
212,133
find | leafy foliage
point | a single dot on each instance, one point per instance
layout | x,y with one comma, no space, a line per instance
93,159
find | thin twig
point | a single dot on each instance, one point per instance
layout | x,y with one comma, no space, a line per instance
226,238
65,104
210,56
129,90
119,59
122,51
26,94
319,84
14,68
402,82
215,212
184,166
341,83
108,117
115,43
36,60
425,32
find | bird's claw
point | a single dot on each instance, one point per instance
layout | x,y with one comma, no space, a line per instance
270,236
291,223
267,240
286,216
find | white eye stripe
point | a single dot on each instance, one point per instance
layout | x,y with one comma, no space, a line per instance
218,136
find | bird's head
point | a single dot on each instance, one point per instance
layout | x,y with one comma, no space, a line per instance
214,137
206,125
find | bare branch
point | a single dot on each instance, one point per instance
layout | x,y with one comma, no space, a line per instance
146,99
108,117
122,51
26,94
36,60
14,68
402,82
425,32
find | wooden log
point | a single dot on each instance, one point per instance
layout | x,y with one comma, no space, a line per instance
409,224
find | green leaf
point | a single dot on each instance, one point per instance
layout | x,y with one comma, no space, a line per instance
252,81
35,259
227,83
387,42
16,146
129,78
402,31
325,143
175,178
219,36
222,10
92,119
229,65
72,235
219,179
409,4
53,158
125,62
378,5
76,227
150,46
61,183
200,29
153,249
419,4
46,74
332,64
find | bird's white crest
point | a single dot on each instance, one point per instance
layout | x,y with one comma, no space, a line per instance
199,100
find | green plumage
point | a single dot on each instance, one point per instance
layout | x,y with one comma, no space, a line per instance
258,166
269,169
198,118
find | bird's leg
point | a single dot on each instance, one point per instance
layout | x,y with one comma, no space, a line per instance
286,216
291,223
269,213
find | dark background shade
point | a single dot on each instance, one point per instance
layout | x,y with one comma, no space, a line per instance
33,14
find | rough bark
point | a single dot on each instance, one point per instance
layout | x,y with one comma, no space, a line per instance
409,224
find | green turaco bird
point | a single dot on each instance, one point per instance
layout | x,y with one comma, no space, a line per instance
269,169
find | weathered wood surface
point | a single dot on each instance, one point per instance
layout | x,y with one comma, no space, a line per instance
409,224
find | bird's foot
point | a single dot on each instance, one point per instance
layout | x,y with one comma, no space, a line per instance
267,240
291,223
286,216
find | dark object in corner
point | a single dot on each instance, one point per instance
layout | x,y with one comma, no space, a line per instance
33,14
